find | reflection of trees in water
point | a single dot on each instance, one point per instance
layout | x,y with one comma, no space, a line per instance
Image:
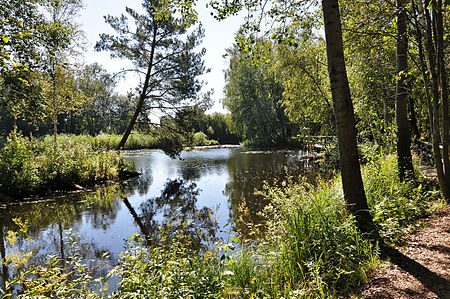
100,206
194,169
174,215
248,171
141,183
48,220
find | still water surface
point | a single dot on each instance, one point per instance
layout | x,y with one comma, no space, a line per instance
197,195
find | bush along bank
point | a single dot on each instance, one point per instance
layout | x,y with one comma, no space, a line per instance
135,141
31,167
309,247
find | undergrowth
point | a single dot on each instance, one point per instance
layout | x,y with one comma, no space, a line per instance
310,247
29,166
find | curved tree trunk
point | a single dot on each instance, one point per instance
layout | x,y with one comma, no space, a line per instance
143,94
352,183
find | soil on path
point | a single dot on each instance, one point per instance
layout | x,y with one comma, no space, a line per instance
420,269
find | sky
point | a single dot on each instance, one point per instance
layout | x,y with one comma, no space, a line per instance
218,37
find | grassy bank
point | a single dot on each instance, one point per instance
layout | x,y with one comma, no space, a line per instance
29,166
135,141
37,166
308,248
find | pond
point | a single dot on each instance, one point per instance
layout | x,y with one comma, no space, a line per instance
200,196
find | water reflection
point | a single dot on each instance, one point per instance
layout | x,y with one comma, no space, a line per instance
48,222
175,215
194,197
248,172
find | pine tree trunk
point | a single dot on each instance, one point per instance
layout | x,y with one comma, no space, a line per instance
143,94
405,167
345,121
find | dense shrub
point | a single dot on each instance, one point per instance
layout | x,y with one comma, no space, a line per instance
318,252
28,167
394,205
200,138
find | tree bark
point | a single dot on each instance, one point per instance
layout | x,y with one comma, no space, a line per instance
143,94
352,183
438,19
405,167
435,130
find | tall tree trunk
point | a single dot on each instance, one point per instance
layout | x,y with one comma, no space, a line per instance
438,19
412,112
143,94
352,183
405,167
431,64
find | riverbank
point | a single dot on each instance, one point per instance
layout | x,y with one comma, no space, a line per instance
30,167
307,246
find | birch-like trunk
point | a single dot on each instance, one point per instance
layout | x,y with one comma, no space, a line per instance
352,183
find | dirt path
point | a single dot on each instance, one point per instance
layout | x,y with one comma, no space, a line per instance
420,269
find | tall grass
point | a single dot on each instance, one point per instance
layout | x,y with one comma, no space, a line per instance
318,250
395,205
135,141
30,167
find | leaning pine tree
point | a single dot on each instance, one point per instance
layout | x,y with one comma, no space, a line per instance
164,56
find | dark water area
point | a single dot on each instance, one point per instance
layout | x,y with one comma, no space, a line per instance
199,196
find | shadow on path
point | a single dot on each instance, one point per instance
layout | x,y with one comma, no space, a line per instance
433,282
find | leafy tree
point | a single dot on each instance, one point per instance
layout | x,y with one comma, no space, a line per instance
254,98
20,45
105,110
62,33
301,70
162,52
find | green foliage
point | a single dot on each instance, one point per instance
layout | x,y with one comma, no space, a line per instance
194,119
28,166
167,273
56,278
302,72
200,138
320,252
20,44
105,110
254,97
395,205
18,170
